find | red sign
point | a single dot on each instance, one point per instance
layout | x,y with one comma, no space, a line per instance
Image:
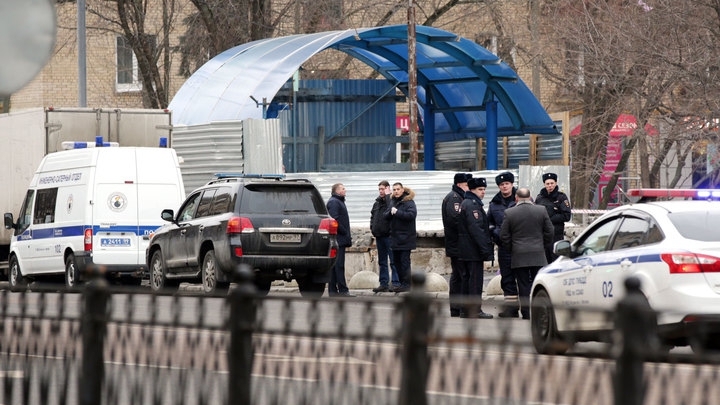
402,122
624,126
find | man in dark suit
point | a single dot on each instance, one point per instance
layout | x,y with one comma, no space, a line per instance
525,232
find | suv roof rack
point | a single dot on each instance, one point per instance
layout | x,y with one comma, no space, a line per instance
249,176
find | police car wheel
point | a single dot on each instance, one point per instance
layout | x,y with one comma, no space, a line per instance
542,324
15,276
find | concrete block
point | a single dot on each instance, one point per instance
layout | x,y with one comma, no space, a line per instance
435,283
493,287
364,279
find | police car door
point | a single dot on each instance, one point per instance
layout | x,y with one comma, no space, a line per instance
594,258
620,260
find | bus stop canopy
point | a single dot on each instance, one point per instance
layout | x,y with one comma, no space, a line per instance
458,81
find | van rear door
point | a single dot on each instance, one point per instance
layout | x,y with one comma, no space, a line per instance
116,239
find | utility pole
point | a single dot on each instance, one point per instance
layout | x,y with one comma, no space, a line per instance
412,86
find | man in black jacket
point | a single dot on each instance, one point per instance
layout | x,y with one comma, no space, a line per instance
451,219
380,228
526,230
337,209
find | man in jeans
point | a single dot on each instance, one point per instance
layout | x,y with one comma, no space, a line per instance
380,228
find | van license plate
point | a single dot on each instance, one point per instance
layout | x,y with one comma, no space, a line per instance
112,242
285,238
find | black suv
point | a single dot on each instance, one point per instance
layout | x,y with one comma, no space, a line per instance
279,227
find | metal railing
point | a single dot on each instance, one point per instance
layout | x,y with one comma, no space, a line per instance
102,345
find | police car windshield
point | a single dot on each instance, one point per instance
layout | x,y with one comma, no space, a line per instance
702,226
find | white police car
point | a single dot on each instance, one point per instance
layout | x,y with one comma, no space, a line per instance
672,247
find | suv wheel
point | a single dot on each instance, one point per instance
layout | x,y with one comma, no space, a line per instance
158,273
15,276
209,271
308,288
262,286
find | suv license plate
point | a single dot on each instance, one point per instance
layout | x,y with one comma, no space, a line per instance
285,238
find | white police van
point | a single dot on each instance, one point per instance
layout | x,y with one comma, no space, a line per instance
93,205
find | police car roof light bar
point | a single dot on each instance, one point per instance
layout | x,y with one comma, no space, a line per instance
68,145
700,194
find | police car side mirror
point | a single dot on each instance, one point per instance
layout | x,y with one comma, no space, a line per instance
9,223
168,215
562,248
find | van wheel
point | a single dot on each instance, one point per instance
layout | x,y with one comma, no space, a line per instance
15,276
72,276
158,273
208,274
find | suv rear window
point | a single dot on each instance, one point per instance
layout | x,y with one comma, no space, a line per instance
697,225
288,199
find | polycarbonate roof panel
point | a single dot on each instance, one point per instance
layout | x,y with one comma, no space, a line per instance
456,77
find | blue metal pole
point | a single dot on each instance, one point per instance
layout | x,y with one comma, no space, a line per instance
429,136
491,135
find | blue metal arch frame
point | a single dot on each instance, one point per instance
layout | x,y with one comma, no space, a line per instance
464,91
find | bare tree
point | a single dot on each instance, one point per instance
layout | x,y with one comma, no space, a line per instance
619,57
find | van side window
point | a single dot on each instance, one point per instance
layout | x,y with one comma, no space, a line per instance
221,202
25,218
205,203
187,212
45,206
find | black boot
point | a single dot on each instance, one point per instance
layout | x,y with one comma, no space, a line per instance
510,310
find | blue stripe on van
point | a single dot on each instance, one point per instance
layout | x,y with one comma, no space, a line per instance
79,230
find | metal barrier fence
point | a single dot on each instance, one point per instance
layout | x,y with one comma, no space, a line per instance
98,345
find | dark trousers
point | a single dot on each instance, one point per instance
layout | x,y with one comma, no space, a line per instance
456,284
507,277
384,252
337,275
472,286
402,263
525,277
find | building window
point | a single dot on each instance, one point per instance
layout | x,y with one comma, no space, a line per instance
127,78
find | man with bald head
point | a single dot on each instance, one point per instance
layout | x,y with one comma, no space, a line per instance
526,230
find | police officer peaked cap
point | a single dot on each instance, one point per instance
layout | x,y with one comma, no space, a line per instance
547,176
476,182
461,178
503,177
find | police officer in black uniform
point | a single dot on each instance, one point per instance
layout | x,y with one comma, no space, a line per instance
503,200
558,208
475,246
451,218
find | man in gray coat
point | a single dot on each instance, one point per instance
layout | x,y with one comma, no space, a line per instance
525,232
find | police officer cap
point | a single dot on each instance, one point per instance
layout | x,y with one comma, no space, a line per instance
461,178
547,176
476,182
503,177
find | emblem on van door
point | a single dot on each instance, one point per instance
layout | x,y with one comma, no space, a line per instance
286,222
117,201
